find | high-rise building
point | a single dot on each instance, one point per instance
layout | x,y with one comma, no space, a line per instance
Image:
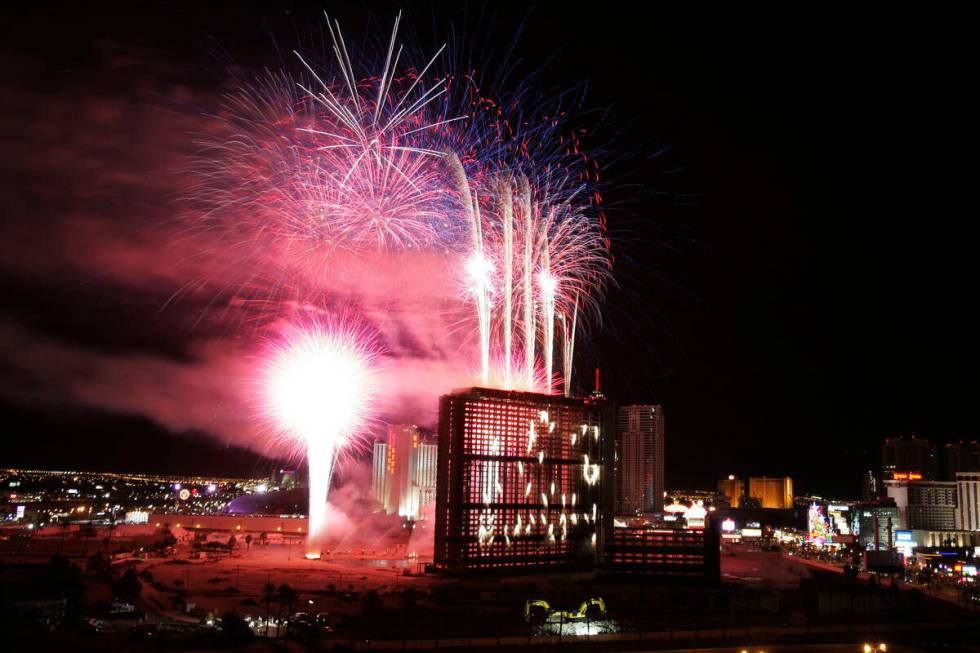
908,457
640,459
876,523
520,481
733,489
772,492
924,505
404,471
425,474
870,487
402,443
379,473
960,457
968,501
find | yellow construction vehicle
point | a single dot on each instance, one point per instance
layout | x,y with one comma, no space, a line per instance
540,612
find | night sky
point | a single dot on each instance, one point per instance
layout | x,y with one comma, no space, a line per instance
788,202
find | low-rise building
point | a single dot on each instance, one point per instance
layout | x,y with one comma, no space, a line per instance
689,554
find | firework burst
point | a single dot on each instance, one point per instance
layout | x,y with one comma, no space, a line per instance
319,385
333,158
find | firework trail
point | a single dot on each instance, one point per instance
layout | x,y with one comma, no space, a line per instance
528,272
507,217
479,269
319,384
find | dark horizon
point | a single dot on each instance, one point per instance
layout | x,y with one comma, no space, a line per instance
786,210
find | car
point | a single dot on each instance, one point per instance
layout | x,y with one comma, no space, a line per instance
300,618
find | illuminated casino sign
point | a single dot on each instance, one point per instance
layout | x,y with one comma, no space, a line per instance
906,476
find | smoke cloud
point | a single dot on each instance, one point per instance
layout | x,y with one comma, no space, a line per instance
121,306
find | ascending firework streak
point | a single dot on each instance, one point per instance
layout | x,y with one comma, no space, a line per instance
479,268
529,331
318,385
548,287
568,345
556,257
507,216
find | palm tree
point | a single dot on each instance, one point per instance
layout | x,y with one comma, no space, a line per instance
268,595
287,597
112,527
64,531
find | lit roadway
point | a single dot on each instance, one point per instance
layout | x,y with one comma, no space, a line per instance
941,592
788,648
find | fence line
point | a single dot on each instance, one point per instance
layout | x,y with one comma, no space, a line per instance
649,635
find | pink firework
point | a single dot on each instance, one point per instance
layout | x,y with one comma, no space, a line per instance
319,385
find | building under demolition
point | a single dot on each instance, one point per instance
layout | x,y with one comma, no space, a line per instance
520,481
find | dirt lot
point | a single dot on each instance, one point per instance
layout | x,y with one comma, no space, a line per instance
222,583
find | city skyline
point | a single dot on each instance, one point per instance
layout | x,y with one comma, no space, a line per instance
441,325
722,149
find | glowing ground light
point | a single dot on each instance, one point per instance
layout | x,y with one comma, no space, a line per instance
319,386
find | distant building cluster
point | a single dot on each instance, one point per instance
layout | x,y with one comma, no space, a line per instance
518,481
38,498
934,489
922,497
